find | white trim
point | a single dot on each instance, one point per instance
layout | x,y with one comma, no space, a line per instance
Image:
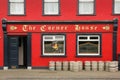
116,6
53,39
17,7
51,0
88,39
29,67
117,0
86,0
5,68
51,7
86,7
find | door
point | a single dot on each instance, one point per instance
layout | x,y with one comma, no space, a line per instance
13,52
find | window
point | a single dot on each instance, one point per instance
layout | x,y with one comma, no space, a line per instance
53,45
88,45
16,7
51,7
116,6
86,7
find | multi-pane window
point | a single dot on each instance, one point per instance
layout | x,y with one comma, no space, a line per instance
53,45
86,7
51,7
116,6
16,7
88,45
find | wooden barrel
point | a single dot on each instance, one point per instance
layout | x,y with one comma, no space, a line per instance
58,65
65,65
107,65
87,65
113,66
80,65
101,65
75,67
51,65
94,65
71,65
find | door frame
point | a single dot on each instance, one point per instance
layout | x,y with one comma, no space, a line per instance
6,53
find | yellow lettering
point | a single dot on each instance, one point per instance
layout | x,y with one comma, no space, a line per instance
24,28
66,27
95,28
77,28
42,28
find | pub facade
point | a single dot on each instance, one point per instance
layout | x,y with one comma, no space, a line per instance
31,38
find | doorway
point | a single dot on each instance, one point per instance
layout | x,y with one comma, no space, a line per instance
17,47
22,54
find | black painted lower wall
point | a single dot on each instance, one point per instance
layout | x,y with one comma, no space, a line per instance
44,67
1,68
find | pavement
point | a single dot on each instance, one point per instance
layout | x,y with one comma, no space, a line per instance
44,74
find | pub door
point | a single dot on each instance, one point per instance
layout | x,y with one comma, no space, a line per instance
13,52
17,52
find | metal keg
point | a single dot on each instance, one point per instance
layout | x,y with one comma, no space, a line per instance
75,67
65,65
71,65
94,65
51,65
80,65
107,65
101,65
113,66
58,65
87,65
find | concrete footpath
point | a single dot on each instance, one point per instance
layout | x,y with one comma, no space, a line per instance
39,74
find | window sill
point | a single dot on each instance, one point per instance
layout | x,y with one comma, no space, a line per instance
116,14
51,15
16,14
53,56
86,14
88,56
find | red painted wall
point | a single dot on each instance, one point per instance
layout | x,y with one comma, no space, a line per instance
38,60
68,11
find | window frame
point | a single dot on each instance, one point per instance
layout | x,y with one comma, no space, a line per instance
99,45
54,55
43,9
113,9
94,8
9,13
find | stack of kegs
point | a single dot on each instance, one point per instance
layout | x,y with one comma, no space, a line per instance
65,65
87,65
80,65
113,66
75,67
100,65
58,65
107,65
51,65
71,65
94,65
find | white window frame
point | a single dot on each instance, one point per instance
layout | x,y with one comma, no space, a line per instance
114,6
86,13
53,39
21,2
88,39
49,2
